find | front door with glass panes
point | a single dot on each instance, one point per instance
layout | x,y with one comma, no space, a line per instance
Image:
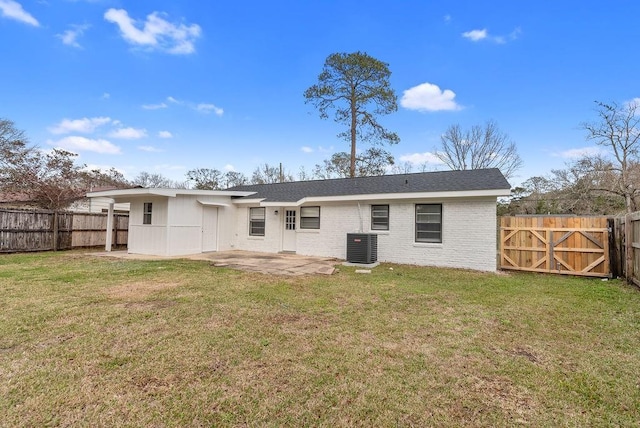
289,231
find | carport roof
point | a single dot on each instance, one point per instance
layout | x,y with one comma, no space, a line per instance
480,182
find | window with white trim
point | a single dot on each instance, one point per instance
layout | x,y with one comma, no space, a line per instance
310,218
257,221
379,217
429,223
147,209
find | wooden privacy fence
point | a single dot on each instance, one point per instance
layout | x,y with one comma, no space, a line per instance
564,245
29,230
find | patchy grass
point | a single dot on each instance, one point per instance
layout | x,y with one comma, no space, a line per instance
106,342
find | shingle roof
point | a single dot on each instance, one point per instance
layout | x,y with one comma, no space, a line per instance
441,181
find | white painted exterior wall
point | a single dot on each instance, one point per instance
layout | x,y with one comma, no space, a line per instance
468,233
468,229
97,205
176,225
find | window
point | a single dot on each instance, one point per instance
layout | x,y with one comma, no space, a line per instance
256,221
310,218
146,213
379,217
428,223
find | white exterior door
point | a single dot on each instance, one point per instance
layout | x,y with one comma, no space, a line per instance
209,229
289,231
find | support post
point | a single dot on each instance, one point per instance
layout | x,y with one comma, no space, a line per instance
55,231
109,238
628,248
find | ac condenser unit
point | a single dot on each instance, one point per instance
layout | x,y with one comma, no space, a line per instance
362,248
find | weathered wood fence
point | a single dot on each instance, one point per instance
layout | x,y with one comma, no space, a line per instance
563,245
29,230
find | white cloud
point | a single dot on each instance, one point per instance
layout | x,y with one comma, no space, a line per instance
229,167
208,108
429,97
165,134
306,149
479,35
85,125
578,153
13,10
154,106
173,100
447,18
106,96
129,133
475,35
70,37
78,143
156,32
421,158
150,149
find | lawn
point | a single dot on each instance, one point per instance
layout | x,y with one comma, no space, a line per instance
106,342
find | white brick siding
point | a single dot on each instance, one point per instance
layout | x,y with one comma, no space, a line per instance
468,234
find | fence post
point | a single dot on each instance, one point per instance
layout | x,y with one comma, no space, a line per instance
109,237
55,231
628,247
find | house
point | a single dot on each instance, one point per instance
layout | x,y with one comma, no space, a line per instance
445,218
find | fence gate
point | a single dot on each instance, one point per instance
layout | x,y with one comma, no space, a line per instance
564,245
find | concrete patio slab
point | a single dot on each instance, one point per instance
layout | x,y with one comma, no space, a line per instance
267,263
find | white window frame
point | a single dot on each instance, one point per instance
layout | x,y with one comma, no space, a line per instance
147,212
428,218
375,214
308,216
256,217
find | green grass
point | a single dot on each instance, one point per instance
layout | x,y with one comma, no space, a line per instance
105,342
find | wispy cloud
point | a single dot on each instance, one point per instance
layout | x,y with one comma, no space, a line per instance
158,106
229,167
85,125
421,158
483,34
580,152
155,33
13,10
306,149
77,143
208,108
129,133
150,149
165,134
70,36
429,97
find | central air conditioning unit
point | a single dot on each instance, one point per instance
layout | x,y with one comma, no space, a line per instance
362,248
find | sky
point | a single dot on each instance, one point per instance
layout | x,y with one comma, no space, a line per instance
167,86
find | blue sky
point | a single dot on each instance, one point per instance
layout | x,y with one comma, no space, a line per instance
167,86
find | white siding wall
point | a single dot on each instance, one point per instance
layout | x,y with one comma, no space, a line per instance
271,242
468,235
96,205
144,238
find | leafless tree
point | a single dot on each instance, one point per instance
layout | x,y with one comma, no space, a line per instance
156,180
479,147
267,174
373,161
618,130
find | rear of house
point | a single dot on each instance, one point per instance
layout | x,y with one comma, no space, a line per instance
443,218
